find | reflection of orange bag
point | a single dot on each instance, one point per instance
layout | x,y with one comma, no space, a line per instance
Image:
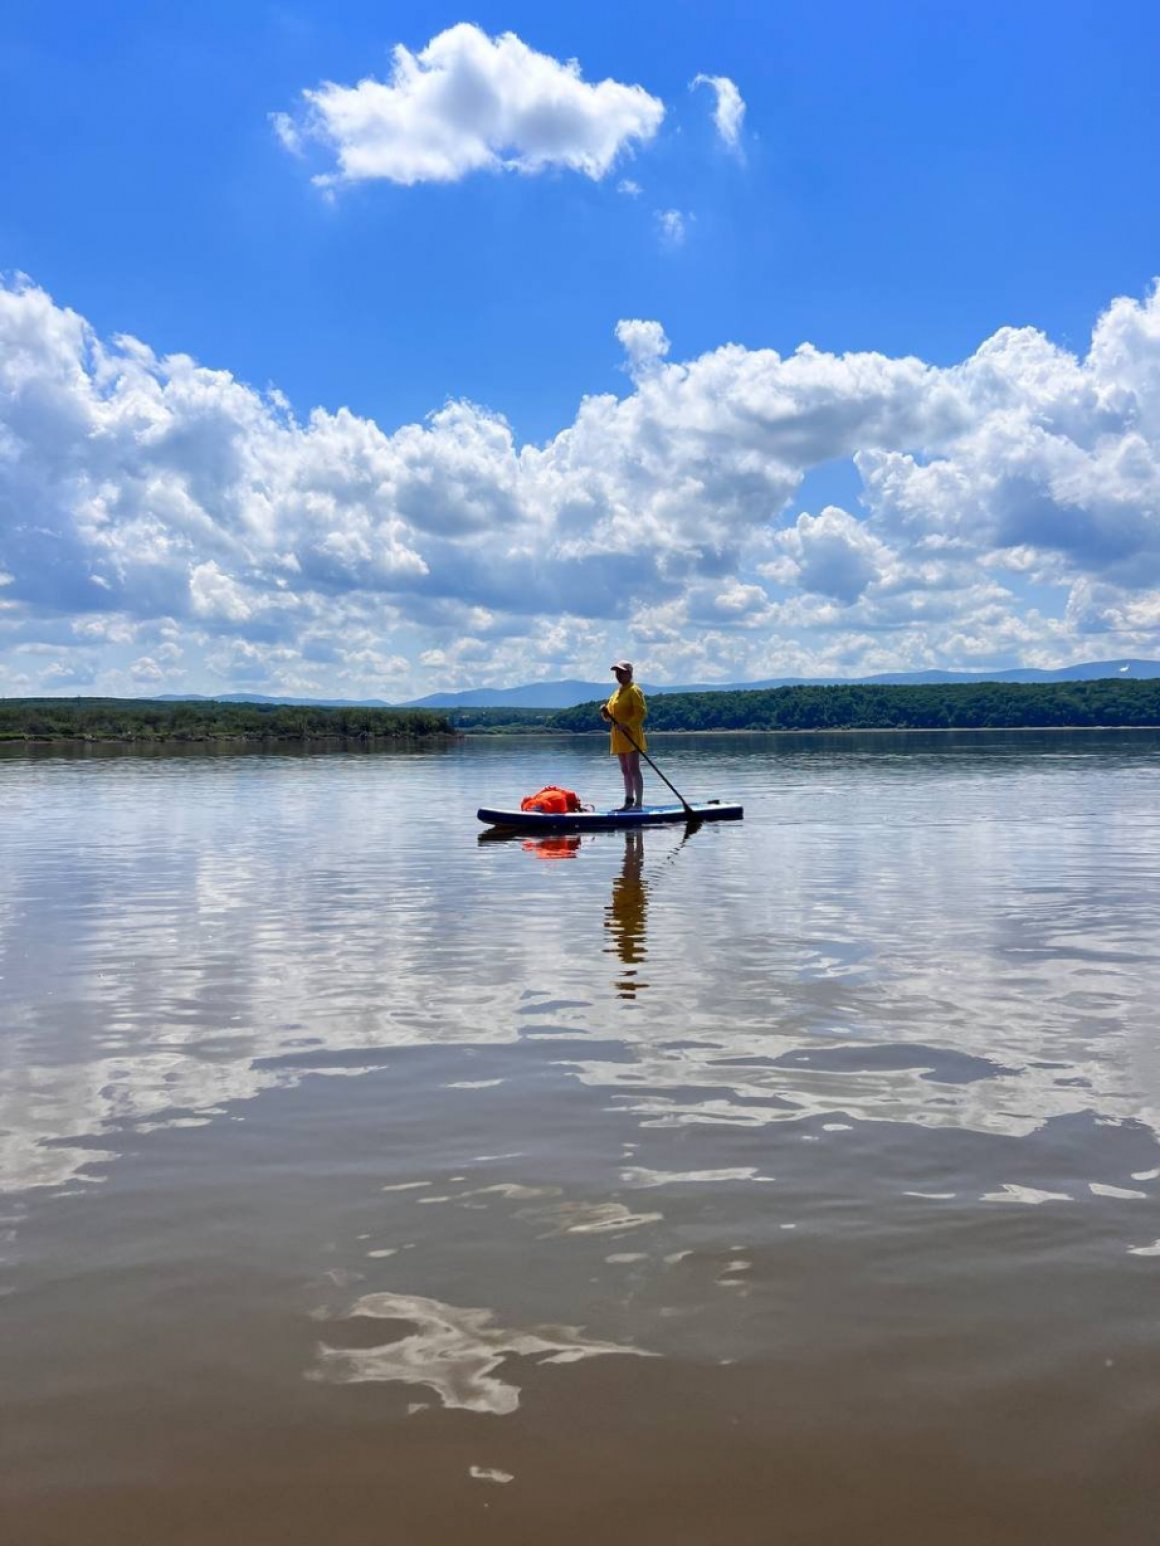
552,847
551,801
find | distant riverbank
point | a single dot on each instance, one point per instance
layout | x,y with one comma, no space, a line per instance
132,721
1107,703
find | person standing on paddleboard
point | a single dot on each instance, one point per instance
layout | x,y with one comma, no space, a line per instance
627,708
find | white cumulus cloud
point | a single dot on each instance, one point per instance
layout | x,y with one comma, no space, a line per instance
466,103
157,514
831,554
645,344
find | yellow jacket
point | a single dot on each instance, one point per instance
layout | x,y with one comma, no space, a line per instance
628,706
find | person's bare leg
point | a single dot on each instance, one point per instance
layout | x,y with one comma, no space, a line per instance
625,759
637,780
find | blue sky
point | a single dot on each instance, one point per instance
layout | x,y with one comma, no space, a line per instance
907,182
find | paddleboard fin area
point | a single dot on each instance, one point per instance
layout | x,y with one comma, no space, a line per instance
606,820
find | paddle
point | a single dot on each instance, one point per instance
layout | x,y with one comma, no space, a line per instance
628,736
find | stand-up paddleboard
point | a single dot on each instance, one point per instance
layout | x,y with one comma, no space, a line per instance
603,821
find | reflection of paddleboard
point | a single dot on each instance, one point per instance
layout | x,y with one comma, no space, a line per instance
600,821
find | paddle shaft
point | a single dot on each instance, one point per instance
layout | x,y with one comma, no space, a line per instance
629,737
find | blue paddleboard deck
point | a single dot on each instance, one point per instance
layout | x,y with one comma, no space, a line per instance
602,821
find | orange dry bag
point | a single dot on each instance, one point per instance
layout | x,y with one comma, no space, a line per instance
551,801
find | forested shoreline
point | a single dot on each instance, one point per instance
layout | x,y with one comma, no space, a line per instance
945,706
40,720
1109,702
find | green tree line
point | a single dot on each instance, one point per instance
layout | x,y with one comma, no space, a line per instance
500,721
136,719
944,706
948,706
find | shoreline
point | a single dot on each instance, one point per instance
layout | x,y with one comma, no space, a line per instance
438,739
656,735
342,742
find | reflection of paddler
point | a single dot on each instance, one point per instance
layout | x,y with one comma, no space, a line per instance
625,914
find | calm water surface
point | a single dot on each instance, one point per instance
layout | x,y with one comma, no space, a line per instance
789,1181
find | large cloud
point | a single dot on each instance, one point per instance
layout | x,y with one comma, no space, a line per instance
469,103
163,519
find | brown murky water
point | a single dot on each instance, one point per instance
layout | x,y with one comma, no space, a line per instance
794,1181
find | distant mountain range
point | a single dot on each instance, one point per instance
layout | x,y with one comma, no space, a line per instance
566,694
257,697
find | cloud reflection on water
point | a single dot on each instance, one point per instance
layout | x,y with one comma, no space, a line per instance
176,941
453,1351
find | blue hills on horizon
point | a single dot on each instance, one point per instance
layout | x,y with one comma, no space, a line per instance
566,694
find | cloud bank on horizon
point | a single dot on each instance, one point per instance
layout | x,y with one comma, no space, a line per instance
166,527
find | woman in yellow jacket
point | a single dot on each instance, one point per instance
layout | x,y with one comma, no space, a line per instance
627,707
